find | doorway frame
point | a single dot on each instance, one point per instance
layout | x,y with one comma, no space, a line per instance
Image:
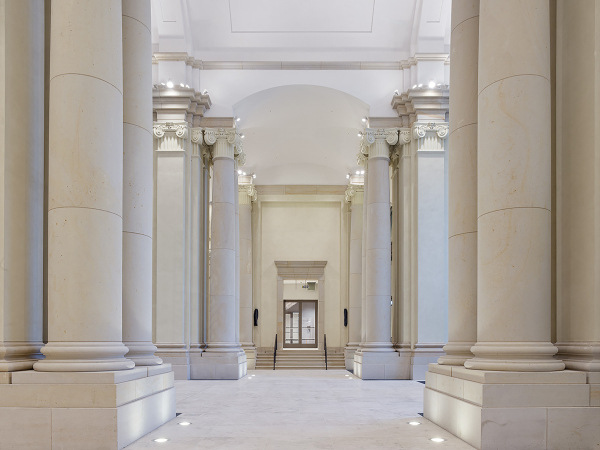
300,344
301,270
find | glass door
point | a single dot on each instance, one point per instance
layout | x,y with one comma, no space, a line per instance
300,320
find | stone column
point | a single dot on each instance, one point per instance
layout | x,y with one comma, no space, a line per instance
376,358
237,247
138,184
247,195
224,358
85,204
21,182
514,189
354,196
462,185
362,161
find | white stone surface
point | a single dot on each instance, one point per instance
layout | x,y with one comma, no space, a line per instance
300,409
22,186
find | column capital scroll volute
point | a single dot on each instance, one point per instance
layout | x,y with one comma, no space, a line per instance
441,129
180,129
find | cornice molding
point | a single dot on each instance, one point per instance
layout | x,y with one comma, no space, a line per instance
297,65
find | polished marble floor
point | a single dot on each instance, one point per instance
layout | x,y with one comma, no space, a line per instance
299,409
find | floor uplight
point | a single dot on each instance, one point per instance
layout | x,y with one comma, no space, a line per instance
185,424
414,423
437,439
160,440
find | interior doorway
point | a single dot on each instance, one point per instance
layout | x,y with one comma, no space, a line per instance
300,323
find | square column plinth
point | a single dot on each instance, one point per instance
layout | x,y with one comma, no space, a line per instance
507,410
84,410
218,365
381,365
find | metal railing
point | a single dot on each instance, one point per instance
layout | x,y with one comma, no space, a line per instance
325,345
275,352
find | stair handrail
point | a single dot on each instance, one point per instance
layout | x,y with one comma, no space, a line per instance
325,345
275,352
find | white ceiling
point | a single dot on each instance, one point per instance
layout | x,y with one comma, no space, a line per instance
301,127
301,134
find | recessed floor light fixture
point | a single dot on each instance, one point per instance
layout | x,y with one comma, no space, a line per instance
414,423
161,440
185,424
437,439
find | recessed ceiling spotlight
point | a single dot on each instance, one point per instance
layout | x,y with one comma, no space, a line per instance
237,119
244,173
364,119
242,136
396,92
420,85
162,84
253,176
414,423
170,84
204,92
414,86
185,424
359,134
239,172
431,84
181,84
357,172
187,86
161,440
437,439
362,172
347,176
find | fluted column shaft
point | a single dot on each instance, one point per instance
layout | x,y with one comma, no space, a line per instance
462,184
223,319
355,257
85,185
21,182
378,264
137,183
514,189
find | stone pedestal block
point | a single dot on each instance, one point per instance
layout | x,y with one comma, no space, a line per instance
218,365
507,410
381,365
85,410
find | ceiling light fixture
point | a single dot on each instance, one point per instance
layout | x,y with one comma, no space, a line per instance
185,424
204,92
364,119
239,172
170,84
347,176
414,86
253,176
187,86
420,85
414,423
362,172
437,439
359,134
396,92
237,119
162,84
431,84
242,136
181,84
160,440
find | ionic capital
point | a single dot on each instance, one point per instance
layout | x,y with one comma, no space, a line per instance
354,194
376,142
441,129
180,129
225,143
247,194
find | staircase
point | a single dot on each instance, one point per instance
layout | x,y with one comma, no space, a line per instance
300,359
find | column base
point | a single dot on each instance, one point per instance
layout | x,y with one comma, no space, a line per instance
515,409
85,409
178,357
250,351
349,355
515,357
142,353
381,365
584,356
83,357
456,353
15,356
217,364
